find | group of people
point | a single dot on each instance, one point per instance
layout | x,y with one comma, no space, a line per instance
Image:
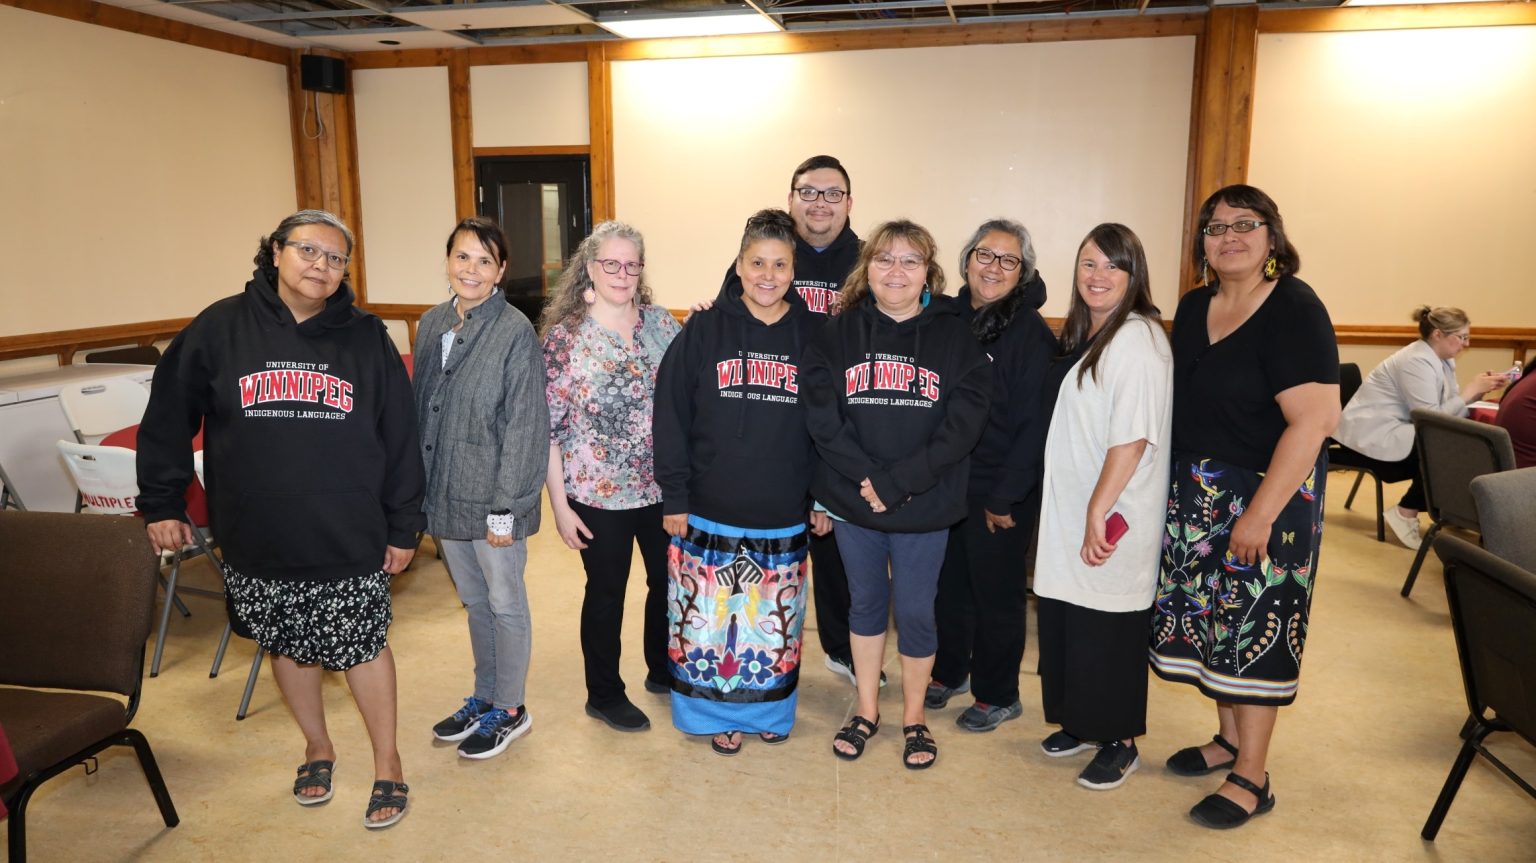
833,422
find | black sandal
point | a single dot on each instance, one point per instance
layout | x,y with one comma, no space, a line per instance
772,739
386,795
920,742
726,748
1220,813
856,733
315,774
1189,761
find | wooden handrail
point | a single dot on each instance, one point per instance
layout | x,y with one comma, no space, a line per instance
64,344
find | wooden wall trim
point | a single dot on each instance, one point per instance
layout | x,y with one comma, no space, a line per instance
352,189
155,27
1221,123
1351,18
461,132
325,168
552,150
505,55
600,131
64,344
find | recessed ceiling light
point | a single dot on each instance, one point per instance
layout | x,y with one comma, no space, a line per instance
717,24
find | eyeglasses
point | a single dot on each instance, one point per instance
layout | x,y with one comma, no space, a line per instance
987,256
832,196
612,267
884,261
312,253
1242,226
1466,338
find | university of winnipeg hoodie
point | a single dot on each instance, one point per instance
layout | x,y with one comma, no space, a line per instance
729,423
819,276
902,404
310,452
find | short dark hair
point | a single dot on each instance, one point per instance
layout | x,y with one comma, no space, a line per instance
816,163
1244,197
266,261
770,224
490,235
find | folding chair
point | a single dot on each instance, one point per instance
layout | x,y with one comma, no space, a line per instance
98,408
1453,451
9,499
218,656
109,485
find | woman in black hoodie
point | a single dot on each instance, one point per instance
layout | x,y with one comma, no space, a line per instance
981,607
897,392
733,459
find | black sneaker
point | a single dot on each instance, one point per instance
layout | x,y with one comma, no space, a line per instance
495,732
1109,768
656,687
1061,744
462,724
624,716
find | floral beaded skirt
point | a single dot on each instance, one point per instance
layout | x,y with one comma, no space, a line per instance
735,609
1234,630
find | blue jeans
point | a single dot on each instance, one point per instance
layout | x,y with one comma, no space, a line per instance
490,584
893,568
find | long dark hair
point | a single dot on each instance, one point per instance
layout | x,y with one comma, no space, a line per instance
1123,248
992,319
1242,197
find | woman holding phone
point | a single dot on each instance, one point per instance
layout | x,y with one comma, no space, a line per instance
1103,503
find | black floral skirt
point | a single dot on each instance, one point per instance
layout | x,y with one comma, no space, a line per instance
337,624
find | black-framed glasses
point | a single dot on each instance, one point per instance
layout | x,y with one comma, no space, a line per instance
311,252
987,256
612,266
832,196
885,261
1242,226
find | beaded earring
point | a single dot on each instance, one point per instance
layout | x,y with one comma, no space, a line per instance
1271,267
590,296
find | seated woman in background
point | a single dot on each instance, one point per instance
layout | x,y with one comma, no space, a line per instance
1517,415
1376,423
734,459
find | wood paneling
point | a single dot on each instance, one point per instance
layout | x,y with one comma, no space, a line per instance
461,132
600,120
1221,122
1397,17
504,55
155,27
325,168
557,150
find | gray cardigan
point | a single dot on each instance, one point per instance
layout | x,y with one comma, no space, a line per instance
483,420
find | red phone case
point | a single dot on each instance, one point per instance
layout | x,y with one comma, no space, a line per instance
1115,527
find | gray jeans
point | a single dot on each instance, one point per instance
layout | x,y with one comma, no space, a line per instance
490,584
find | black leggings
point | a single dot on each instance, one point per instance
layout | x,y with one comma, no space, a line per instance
607,559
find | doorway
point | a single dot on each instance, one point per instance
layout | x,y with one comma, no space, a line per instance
544,203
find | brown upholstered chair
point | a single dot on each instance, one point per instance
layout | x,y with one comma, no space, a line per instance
77,593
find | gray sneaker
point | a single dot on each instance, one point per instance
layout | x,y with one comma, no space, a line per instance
986,717
1109,768
938,695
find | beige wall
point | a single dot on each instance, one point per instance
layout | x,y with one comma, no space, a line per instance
136,174
1058,135
531,105
1405,165
405,166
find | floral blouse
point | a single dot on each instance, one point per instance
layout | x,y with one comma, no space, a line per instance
601,395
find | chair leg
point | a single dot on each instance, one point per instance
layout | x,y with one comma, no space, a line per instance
165,616
218,655
1381,513
180,606
1453,782
16,833
1418,559
135,738
1350,501
250,684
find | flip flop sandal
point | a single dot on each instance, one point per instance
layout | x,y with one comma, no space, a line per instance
726,748
856,733
386,795
1219,813
772,739
920,742
315,774
1189,761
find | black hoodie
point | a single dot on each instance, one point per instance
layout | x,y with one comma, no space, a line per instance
310,447
819,276
1006,465
729,424
902,404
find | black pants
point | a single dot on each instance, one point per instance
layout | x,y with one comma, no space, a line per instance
1093,670
607,559
980,608
829,586
1398,471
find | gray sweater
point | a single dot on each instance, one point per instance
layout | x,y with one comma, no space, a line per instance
483,419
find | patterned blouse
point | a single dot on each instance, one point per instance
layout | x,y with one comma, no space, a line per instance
601,395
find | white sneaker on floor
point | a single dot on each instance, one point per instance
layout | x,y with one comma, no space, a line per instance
1405,528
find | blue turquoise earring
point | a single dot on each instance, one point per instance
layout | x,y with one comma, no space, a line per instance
927,295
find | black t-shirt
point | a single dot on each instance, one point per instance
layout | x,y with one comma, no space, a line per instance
1224,394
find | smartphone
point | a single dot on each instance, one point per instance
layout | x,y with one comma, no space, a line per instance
1115,527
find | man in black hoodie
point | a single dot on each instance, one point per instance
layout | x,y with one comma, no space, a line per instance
826,248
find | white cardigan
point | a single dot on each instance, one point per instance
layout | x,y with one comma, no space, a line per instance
1376,422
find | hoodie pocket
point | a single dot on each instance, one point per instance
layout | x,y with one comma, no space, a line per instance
319,529
472,472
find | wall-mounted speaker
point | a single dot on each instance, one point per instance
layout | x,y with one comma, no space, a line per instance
322,74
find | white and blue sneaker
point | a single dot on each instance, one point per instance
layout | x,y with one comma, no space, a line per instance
495,733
